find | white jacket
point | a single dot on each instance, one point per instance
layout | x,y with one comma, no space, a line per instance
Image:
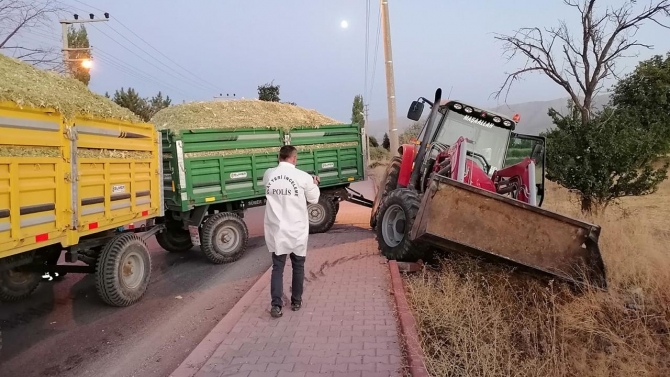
288,190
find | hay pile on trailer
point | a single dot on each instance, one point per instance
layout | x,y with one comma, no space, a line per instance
240,114
29,87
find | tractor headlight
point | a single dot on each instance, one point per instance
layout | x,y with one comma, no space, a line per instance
468,110
507,123
458,106
496,119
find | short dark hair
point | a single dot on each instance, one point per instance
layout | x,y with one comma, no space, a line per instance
286,152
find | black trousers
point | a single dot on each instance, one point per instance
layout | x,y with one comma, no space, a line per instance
277,281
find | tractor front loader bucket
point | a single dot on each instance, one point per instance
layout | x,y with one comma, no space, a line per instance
460,217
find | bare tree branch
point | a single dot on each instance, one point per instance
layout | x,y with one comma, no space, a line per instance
18,16
587,61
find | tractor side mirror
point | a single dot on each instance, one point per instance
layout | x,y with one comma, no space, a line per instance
415,111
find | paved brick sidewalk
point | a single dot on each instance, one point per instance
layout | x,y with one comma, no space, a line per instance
346,326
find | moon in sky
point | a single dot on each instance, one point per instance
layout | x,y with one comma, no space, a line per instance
344,24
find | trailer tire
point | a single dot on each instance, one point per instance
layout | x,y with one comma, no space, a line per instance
123,270
397,213
174,238
224,238
389,183
321,215
16,285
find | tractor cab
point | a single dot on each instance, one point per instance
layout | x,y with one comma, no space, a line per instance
491,143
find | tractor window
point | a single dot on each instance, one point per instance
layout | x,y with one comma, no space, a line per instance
490,143
522,146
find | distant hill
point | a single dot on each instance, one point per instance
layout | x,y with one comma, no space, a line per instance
534,118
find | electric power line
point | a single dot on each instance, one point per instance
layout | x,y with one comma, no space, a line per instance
374,65
131,51
137,72
205,82
189,80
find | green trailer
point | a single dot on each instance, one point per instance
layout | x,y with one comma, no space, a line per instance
211,176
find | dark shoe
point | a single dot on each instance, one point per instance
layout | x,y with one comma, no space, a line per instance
295,306
276,312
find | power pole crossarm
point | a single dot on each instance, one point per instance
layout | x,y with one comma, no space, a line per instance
390,84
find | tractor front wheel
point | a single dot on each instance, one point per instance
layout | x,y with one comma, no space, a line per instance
388,183
395,219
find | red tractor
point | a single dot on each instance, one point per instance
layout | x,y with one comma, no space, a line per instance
473,184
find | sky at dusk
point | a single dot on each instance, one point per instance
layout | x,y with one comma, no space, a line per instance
234,46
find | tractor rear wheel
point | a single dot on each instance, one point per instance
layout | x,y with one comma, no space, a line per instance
388,183
397,213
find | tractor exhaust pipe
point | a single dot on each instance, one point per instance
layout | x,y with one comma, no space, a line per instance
414,178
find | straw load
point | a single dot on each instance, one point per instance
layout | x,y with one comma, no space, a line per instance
29,87
238,114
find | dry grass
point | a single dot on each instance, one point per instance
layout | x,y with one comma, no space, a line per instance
27,86
238,114
477,319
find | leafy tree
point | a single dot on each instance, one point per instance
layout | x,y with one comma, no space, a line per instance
645,96
411,132
386,143
357,111
268,92
78,39
610,157
157,103
131,100
372,141
145,108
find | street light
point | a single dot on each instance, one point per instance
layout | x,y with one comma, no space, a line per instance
87,63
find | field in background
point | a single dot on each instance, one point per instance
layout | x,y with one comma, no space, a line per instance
478,319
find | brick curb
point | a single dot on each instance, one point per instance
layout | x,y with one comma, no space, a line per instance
204,350
410,336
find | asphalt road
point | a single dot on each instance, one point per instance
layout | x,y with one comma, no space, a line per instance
64,329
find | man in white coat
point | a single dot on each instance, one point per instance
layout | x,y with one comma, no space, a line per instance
288,190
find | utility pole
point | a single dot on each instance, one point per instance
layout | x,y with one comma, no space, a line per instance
390,85
366,143
66,48
367,135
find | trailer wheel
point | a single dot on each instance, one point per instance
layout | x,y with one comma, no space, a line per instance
322,214
123,270
396,217
174,238
16,284
224,238
388,183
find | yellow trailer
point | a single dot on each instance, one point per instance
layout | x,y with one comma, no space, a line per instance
67,186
